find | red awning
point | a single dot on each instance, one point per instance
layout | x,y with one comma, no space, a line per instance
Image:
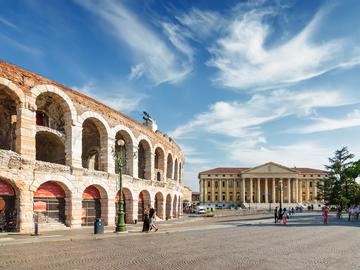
49,190
6,189
91,192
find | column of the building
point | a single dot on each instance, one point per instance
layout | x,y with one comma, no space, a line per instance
109,210
26,211
212,190
243,190
205,190
273,191
135,163
258,191
315,190
296,190
281,190
234,190
293,191
289,190
201,183
251,189
227,191
307,186
220,190
25,133
300,190
266,191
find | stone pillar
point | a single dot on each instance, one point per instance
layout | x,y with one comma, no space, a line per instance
73,146
258,192
213,190
135,163
220,190
293,191
296,190
162,210
135,209
243,190
107,162
227,190
266,191
25,133
315,190
300,190
251,189
205,190
26,221
307,186
151,168
281,190
289,190
202,189
75,205
109,213
273,193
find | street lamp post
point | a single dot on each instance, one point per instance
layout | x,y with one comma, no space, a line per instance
118,154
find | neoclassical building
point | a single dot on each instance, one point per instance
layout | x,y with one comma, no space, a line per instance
56,157
259,186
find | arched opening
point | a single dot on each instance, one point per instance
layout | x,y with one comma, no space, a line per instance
176,170
159,163
169,171
127,152
175,207
94,145
179,208
9,206
8,120
180,172
91,206
50,201
50,148
168,206
159,201
127,206
51,111
144,160
143,202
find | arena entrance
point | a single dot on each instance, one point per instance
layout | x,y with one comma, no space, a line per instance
143,201
8,213
168,206
91,206
49,203
127,206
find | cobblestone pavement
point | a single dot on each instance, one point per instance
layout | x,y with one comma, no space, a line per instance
216,243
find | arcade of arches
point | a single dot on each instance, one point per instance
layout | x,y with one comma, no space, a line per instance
56,158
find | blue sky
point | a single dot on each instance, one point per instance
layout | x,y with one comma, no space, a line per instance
235,83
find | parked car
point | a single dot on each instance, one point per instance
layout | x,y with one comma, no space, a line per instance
202,211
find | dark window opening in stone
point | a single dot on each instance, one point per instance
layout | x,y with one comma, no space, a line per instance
144,157
158,176
50,148
159,163
50,111
126,153
90,146
7,121
176,170
169,171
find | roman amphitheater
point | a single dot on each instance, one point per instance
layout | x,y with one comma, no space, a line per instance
56,158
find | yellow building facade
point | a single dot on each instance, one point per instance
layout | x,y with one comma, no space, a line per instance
264,184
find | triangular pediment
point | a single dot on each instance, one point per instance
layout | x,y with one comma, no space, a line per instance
270,167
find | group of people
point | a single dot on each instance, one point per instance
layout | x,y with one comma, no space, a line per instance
354,212
281,215
149,220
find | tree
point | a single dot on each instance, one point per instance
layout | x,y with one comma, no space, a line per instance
339,186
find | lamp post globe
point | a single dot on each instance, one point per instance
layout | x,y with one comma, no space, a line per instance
120,224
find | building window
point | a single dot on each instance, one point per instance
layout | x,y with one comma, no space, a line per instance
237,183
223,184
223,197
231,198
209,197
208,175
238,198
216,175
216,184
304,175
319,175
311,184
223,175
215,197
230,183
311,175
209,183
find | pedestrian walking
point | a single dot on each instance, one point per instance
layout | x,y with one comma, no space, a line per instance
326,215
146,225
152,216
276,215
284,216
280,214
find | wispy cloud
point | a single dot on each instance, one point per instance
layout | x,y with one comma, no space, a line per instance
160,62
244,119
8,23
114,96
322,124
244,61
20,46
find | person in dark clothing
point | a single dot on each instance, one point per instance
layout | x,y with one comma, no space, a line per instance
146,225
276,214
280,214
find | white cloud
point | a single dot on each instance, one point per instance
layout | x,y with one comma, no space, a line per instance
160,62
137,71
245,62
322,124
19,45
244,119
114,98
8,23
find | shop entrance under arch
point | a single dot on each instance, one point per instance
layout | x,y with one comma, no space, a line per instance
127,206
91,206
8,213
49,203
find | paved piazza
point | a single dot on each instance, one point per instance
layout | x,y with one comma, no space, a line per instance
251,242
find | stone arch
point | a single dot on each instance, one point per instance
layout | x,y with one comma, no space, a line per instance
43,88
176,170
15,92
144,201
179,210
95,131
169,166
159,205
159,162
10,204
175,207
144,159
168,206
128,201
50,147
98,204
180,172
128,154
